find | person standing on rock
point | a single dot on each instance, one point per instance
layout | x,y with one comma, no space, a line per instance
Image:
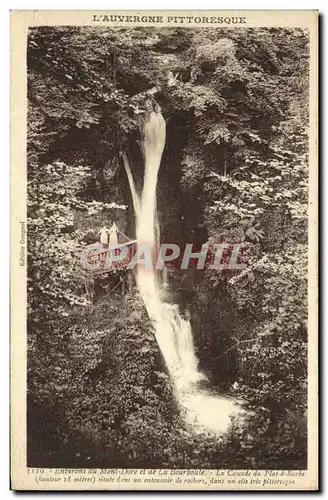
113,235
103,233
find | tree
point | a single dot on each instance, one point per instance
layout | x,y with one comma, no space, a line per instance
234,170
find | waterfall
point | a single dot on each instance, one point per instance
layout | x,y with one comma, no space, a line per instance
173,332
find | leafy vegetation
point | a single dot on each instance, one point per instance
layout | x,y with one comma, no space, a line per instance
234,170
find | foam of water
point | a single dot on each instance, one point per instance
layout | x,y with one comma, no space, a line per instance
173,332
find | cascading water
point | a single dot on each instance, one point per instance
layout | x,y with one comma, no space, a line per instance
173,332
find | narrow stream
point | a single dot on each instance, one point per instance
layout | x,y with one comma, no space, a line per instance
202,409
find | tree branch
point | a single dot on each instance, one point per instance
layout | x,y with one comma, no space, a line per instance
234,346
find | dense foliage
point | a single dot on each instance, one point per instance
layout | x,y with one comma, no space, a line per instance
234,170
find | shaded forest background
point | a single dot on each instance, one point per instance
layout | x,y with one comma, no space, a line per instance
234,169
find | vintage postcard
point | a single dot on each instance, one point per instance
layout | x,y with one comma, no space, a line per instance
164,250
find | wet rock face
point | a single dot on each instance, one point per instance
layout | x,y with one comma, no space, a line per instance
152,126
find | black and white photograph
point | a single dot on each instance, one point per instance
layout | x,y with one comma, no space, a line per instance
166,251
